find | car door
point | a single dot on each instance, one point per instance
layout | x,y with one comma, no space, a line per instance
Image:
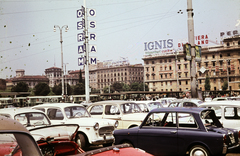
159,136
113,112
231,117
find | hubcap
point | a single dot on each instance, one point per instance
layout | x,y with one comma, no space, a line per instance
199,153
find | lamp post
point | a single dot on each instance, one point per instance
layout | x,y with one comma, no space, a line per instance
61,41
66,80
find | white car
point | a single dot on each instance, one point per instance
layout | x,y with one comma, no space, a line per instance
166,101
228,112
127,113
91,131
33,120
147,106
185,103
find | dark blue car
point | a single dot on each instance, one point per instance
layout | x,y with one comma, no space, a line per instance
180,131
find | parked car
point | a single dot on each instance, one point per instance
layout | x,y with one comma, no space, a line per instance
16,140
181,131
127,113
221,98
91,132
52,139
228,112
147,106
185,103
119,150
166,101
207,99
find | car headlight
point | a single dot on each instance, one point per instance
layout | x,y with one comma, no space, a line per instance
116,124
96,126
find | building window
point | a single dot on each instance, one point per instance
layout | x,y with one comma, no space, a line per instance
170,67
160,61
153,83
185,66
206,57
152,62
228,54
180,83
152,68
213,56
161,83
185,74
213,64
186,82
179,67
170,60
220,55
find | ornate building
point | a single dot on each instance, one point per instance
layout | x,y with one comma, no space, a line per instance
172,72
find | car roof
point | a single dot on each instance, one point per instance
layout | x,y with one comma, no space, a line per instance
13,111
111,102
221,103
60,105
8,124
180,109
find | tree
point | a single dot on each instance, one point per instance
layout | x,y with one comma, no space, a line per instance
42,89
207,83
20,87
106,89
117,86
57,89
79,89
126,87
134,86
225,85
80,77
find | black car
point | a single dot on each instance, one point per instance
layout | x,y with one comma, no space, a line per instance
180,131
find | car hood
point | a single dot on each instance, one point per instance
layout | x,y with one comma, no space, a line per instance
55,132
89,121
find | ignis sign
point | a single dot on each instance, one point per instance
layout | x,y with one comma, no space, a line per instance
158,45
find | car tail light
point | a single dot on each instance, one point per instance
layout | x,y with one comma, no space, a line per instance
238,134
224,139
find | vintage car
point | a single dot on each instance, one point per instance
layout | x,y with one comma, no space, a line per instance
15,139
127,113
52,139
180,131
228,112
166,101
91,131
147,106
185,103
119,150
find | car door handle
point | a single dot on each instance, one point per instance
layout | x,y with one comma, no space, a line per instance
173,132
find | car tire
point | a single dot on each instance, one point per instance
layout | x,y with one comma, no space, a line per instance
127,142
81,141
198,150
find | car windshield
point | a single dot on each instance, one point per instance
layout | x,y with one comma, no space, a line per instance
76,112
209,119
127,108
154,105
174,104
32,119
143,107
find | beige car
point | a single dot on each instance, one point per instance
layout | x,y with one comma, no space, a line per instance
127,113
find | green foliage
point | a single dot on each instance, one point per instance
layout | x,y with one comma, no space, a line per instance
80,77
79,89
225,85
134,86
117,86
126,87
207,83
42,89
20,87
57,89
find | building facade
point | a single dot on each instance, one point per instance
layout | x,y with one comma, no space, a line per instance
172,72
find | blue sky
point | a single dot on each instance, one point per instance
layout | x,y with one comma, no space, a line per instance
27,39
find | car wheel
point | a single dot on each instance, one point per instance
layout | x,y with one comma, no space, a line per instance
198,151
81,141
127,142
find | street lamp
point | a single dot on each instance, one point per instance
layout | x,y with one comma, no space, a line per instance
66,79
66,29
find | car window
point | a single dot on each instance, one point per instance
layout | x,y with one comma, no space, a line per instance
186,120
209,119
218,111
55,114
143,107
111,110
161,120
32,119
130,108
174,104
189,104
96,110
231,113
76,112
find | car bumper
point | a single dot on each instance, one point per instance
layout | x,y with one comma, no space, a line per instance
226,148
103,140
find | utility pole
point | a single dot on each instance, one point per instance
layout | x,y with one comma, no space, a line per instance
86,55
193,74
